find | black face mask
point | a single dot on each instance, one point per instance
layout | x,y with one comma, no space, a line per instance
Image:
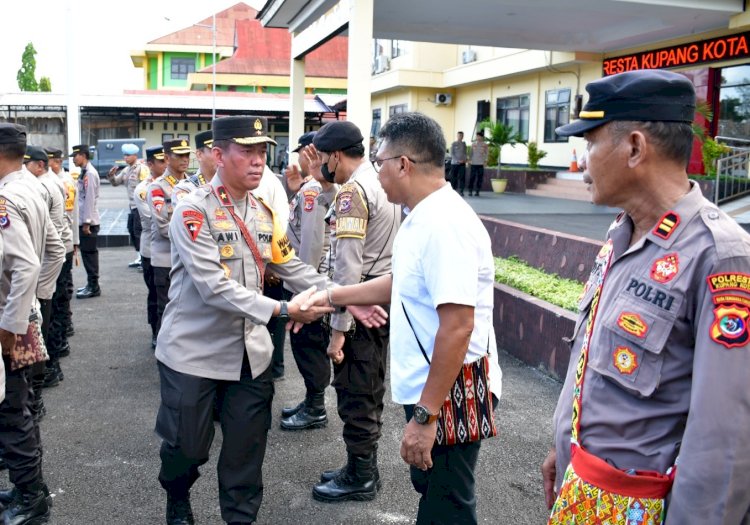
328,175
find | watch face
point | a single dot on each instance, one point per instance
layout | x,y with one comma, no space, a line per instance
421,415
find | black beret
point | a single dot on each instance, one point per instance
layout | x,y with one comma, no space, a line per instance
155,152
34,153
204,139
177,147
304,140
337,135
643,95
53,153
12,133
81,148
242,130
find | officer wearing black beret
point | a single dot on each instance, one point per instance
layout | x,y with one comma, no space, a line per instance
366,225
206,166
661,355
213,342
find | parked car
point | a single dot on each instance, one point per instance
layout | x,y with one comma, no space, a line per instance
108,153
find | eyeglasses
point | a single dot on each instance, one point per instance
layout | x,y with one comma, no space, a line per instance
378,163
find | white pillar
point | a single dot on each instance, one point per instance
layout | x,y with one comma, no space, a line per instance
358,106
73,110
297,99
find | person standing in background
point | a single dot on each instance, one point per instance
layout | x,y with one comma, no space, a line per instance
88,219
479,152
458,163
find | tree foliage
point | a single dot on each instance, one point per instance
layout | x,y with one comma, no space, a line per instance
45,84
26,76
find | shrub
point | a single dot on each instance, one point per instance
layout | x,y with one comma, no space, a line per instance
517,274
534,155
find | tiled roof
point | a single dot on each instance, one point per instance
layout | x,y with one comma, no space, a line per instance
266,51
202,36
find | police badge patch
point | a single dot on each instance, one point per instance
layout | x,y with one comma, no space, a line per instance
625,360
157,197
193,222
730,325
665,268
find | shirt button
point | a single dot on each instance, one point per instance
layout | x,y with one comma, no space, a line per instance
713,215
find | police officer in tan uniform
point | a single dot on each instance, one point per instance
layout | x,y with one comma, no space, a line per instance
206,166
130,175
666,363
161,205
157,166
33,255
213,342
88,220
61,315
309,234
366,224
62,303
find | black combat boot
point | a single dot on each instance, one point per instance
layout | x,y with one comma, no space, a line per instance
37,403
290,411
359,481
53,374
328,475
8,495
90,290
179,511
311,415
28,507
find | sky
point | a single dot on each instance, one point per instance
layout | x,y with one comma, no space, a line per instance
85,45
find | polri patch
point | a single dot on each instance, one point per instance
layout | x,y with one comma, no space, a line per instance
193,222
345,201
633,324
310,196
667,225
665,268
157,197
719,282
730,325
625,360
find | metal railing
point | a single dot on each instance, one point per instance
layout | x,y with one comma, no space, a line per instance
732,178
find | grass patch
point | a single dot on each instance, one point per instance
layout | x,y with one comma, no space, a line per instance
549,287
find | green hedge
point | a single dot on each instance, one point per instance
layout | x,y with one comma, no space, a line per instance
549,287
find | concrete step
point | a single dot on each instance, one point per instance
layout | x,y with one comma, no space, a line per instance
557,192
564,183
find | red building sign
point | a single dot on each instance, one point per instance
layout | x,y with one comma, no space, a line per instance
728,47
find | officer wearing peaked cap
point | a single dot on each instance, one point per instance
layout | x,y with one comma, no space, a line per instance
130,175
206,166
212,341
655,407
157,166
88,219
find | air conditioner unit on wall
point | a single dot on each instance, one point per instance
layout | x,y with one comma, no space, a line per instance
382,64
443,99
468,56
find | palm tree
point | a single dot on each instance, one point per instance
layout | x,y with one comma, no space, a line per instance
500,135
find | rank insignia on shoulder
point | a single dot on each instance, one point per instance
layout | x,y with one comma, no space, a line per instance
625,360
193,222
730,325
667,225
665,268
633,324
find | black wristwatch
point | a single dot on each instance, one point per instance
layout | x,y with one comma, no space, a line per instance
422,416
283,310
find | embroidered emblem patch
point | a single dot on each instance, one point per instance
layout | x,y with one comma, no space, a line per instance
665,269
227,271
4,219
220,215
223,225
667,225
345,201
730,325
731,299
157,197
193,222
625,360
310,196
226,250
719,282
142,195
633,324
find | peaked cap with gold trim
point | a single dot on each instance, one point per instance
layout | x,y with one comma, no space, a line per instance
177,147
643,95
242,130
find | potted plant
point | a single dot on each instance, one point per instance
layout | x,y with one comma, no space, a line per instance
499,135
534,155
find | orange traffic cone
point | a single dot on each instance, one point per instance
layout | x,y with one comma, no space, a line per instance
574,163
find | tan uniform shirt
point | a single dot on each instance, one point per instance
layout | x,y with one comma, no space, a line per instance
216,310
308,229
130,176
160,202
366,224
187,185
88,196
144,211
669,362
54,194
71,203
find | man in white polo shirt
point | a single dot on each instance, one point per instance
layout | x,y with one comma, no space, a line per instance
440,319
